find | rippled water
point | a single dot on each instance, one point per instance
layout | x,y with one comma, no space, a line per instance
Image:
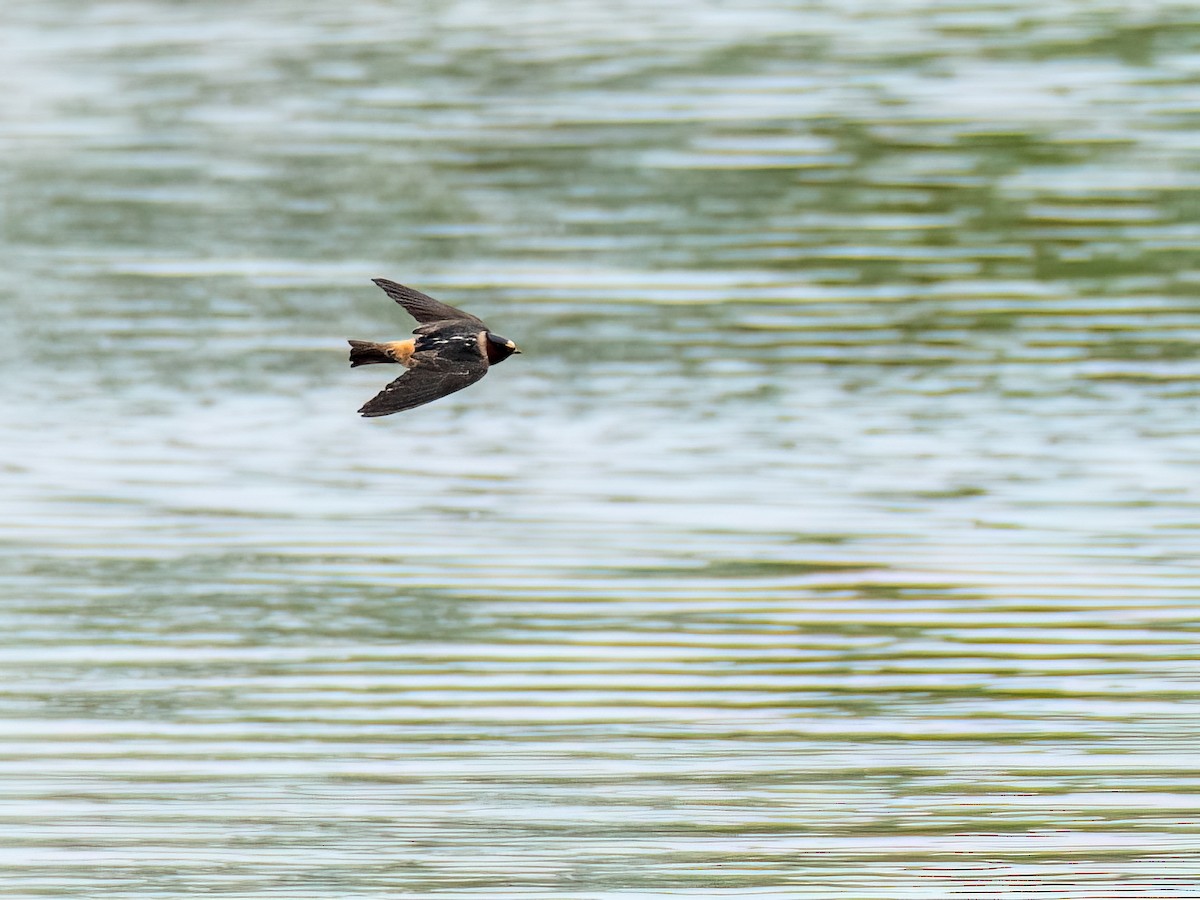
834,537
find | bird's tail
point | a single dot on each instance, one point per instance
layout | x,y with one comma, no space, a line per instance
364,353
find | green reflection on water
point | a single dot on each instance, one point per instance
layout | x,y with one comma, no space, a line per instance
834,532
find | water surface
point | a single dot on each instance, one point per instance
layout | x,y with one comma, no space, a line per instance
834,536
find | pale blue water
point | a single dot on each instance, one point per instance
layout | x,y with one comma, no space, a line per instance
835,536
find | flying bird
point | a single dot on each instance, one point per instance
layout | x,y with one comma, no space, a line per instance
452,350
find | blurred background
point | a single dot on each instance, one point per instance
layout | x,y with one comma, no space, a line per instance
834,537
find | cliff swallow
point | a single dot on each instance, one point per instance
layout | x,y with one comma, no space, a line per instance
452,349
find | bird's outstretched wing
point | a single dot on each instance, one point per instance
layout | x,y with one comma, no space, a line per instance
422,307
429,379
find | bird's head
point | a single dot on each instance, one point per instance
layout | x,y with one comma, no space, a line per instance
499,348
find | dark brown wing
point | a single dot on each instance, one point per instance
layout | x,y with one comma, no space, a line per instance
430,378
422,307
